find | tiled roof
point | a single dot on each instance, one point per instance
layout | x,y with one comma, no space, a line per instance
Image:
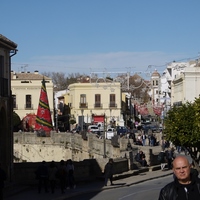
28,75
7,41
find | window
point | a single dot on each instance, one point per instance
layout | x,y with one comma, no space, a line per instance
112,100
97,101
156,82
83,103
3,81
14,101
28,101
1,66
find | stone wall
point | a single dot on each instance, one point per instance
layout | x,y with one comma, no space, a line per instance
89,155
86,170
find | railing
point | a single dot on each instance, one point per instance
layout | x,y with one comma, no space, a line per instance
15,106
112,105
98,105
28,106
83,105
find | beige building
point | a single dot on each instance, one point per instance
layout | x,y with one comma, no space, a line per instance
185,86
26,89
88,100
7,50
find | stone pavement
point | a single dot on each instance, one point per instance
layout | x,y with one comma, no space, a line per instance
120,180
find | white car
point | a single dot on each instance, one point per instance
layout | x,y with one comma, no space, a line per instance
110,133
93,129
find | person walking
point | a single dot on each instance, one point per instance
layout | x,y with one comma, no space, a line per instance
143,139
42,174
162,159
3,177
108,172
61,175
185,186
52,176
70,174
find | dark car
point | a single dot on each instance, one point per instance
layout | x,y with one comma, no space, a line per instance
149,128
121,130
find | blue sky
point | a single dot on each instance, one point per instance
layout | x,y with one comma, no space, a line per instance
84,36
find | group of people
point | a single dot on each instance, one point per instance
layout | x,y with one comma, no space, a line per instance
165,157
48,176
141,158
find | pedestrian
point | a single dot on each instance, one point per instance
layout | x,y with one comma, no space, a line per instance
185,185
108,172
143,139
42,174
61,175
170,157
162,159
3,177
52,176
70,174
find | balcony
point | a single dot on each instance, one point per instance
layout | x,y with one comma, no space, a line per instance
112,105
15,106
28,106
83,105
97,105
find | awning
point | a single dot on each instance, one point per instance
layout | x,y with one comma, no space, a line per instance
98,118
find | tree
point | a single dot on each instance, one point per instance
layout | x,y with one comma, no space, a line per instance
182,127
16,122
61,81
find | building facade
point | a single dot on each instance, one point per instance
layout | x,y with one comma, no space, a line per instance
7,50
26,88
90,100
185,86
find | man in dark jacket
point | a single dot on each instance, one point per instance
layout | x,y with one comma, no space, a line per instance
185,186
108,172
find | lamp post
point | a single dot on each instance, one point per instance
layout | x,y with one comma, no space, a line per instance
82,119
104,139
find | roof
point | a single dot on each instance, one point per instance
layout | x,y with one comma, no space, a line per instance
7,43
155,73
28,75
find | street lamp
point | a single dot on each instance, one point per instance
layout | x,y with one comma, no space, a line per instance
82,119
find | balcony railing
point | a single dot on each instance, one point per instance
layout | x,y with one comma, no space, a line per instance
98,105
112,105
28,106
83,105
3,87
15,106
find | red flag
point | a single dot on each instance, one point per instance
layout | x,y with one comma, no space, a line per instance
43,118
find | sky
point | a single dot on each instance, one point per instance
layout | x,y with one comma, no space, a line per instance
101,36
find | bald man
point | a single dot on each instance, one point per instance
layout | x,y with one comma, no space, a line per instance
185,186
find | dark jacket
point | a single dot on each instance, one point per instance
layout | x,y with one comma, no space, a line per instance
170,191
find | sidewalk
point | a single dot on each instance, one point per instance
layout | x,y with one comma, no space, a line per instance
120,180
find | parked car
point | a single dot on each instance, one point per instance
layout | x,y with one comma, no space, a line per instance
148,129
110,133
121,130
93,129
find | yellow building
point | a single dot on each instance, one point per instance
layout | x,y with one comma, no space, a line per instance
90,101
26,88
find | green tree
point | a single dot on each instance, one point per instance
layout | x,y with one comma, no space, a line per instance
181,127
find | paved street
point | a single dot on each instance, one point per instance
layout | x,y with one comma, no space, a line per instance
30,193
